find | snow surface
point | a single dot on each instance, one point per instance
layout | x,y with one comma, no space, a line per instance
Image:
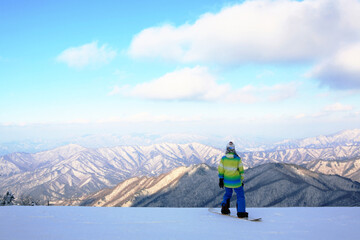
18,222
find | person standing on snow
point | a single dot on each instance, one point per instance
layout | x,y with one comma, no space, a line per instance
231,176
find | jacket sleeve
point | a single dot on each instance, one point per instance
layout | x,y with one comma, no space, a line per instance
221,169
241,170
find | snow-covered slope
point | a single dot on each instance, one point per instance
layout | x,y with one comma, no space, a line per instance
72,170
58,223
197,186
349,168
286,185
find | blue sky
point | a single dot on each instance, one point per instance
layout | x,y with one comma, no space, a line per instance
271,69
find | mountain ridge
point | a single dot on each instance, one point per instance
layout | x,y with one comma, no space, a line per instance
345,137
349,168
71,171
342,138
268,185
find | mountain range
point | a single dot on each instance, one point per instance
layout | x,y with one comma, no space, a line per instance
267,185
343,138
348,168
244,144
73,171
300,155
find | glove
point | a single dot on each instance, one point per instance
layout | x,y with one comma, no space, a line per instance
221,182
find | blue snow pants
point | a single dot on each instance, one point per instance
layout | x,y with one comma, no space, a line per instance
240,197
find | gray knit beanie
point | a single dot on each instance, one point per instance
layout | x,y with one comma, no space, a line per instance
230,147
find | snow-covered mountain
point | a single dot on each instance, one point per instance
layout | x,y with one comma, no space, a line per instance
244,144
343,138
158,158
192,186
113,140
285,185
72,170
349,168
23,162
300,155
197,186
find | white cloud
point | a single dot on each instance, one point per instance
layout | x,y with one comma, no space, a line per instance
324,32
274,93
183,84
259,30
281,92
342,70
300,116
338,107
87,55
140,117
199,84
148,117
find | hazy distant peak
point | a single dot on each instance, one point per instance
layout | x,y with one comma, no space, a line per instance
345,138
69,149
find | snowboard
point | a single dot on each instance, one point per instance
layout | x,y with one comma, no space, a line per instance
217,211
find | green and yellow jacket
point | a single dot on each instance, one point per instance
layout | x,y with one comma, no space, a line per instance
231,170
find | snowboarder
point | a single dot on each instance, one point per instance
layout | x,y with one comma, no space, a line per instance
231,176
